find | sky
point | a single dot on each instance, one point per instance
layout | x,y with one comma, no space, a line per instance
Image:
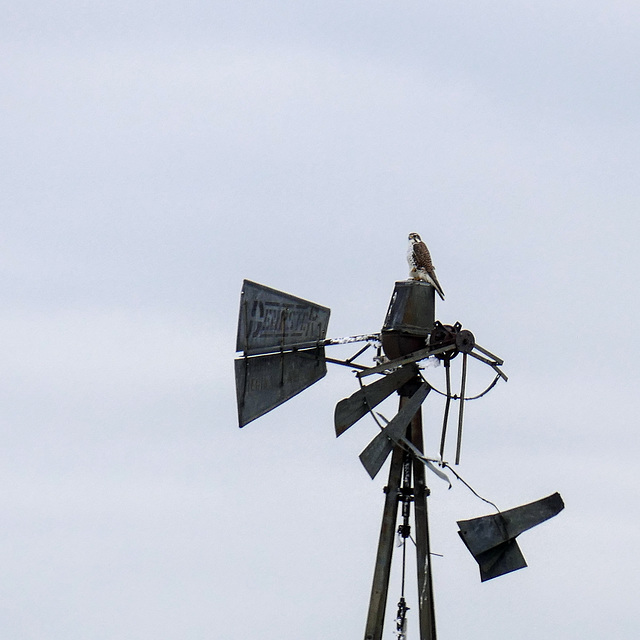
155,154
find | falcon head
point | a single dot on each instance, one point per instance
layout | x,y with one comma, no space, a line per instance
414,237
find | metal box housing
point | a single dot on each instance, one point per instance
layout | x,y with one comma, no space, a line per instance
410,318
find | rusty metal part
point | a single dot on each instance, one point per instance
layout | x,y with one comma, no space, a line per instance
452,335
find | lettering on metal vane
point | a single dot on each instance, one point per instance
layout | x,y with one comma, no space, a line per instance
271,318
274,319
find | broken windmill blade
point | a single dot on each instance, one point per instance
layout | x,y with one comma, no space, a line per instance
492,539
378,450
282,339
358,405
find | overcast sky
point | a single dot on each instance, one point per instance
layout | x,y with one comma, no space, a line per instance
154,154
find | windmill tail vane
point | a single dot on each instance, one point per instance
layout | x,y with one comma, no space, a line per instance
282,342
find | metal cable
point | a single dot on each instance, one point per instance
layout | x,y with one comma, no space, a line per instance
466,484
455,396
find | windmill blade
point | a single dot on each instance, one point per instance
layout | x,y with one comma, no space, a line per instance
351,409
413,450
377,451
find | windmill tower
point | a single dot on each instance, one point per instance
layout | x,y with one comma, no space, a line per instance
282,341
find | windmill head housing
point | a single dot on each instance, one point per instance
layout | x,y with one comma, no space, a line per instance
410,318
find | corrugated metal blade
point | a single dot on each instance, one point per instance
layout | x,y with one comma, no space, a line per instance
351,409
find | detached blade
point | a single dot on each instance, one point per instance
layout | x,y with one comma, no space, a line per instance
351,409
486,532
380,447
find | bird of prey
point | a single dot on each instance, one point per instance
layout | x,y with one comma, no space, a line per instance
419,260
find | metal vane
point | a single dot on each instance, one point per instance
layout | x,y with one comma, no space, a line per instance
271,319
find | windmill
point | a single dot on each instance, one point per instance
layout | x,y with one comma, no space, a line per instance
282,341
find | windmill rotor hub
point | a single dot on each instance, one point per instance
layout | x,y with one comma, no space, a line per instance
444,335
465,341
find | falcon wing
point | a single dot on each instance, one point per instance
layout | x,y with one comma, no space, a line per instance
422,256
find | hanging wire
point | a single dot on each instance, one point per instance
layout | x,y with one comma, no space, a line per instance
455,396
466,484
431,463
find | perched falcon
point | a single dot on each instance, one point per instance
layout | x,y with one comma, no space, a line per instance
419,260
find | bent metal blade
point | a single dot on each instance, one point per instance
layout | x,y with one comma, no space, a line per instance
380,447
351,409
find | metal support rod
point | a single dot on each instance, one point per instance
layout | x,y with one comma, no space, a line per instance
423,547
380,587
461,409
445,420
